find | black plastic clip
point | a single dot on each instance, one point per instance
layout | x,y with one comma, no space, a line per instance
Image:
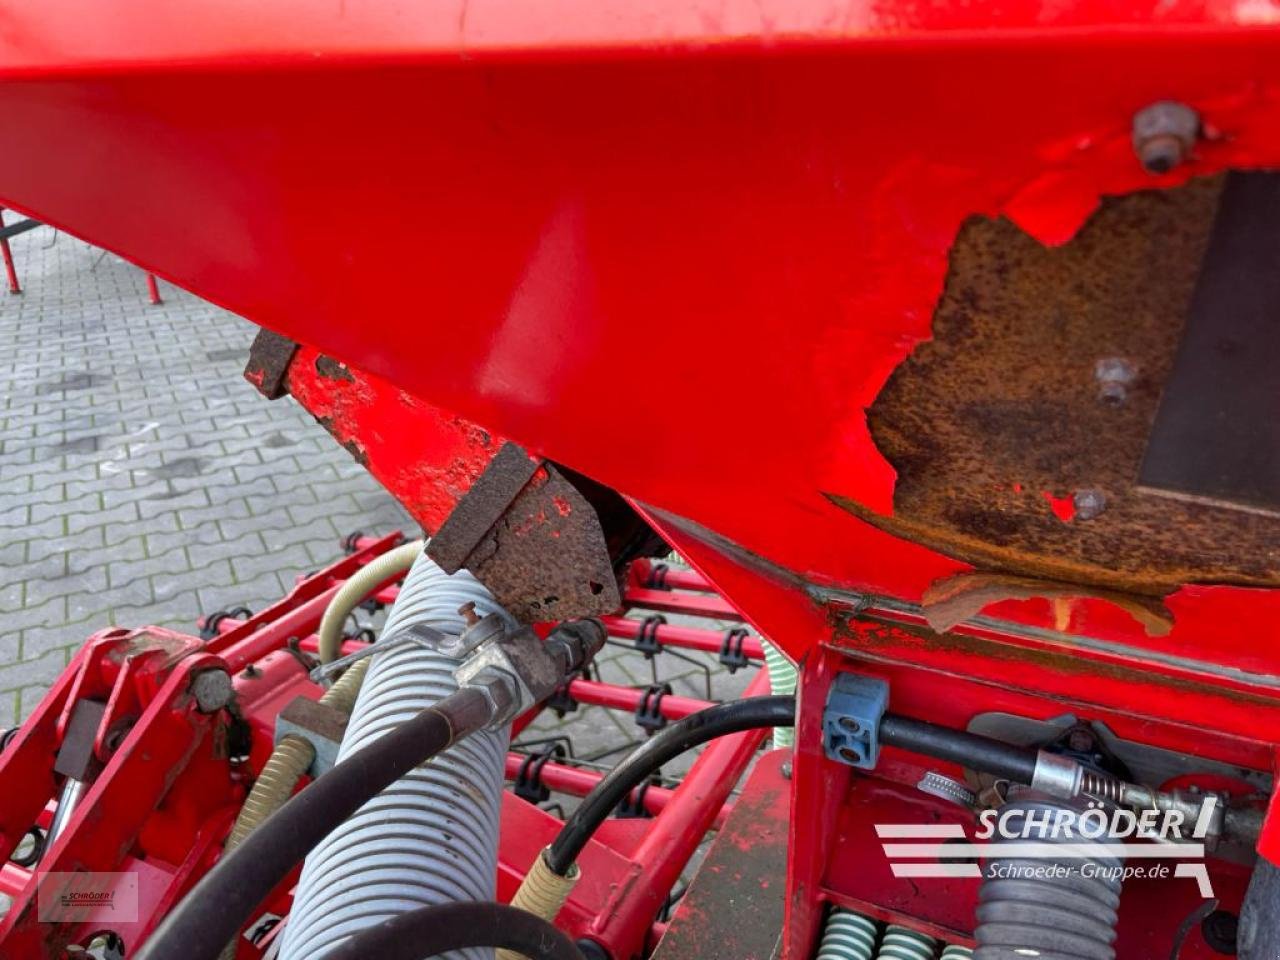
528,784
657,579
562,701
732,656
209,629
349,541
632,806
649,710
647,641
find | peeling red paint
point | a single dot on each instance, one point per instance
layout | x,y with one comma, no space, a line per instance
1063,508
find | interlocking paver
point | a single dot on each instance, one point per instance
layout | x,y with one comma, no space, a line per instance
138,468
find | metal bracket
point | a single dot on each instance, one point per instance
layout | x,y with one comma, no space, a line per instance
647,641
657,579
851,721
528,783
632,806
649,710
731,655
320,725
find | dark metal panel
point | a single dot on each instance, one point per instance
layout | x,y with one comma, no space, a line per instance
1217,434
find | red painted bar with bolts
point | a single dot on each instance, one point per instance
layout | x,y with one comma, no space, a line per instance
688,638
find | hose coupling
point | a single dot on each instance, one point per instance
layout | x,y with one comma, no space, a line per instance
516,669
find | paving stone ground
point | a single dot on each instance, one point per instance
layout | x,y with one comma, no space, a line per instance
143,481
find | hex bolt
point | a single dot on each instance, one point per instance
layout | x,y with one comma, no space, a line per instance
1080,741
1089,503
212,690
1114,375
1163,135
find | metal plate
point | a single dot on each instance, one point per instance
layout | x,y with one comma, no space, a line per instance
996,424
1217,435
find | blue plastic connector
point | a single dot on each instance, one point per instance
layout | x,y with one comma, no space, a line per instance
851,721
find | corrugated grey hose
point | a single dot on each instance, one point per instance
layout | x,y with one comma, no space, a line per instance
433,836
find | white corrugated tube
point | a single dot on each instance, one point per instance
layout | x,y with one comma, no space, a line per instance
431,837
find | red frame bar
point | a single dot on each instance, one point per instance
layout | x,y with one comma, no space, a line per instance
688,638
616,697
708,605
9,268
577,782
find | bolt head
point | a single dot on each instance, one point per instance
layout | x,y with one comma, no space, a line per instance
212,689
1089,503
1163,135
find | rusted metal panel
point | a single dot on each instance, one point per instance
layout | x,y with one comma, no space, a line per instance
1018,431
1217,435
268,366
487,500
544,556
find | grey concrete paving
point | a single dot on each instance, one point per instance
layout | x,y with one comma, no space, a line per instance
142,480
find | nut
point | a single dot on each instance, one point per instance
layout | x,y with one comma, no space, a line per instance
1163,135
212,690
502,690
1089,503
1114,375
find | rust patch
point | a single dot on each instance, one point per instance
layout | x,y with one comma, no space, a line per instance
331,369
268,364
1002,417
953,600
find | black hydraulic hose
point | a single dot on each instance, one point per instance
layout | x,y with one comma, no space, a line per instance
215,909
918,736
966,749
431,931
697,728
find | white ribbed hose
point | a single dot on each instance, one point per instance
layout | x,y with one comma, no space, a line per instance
782,681
431,837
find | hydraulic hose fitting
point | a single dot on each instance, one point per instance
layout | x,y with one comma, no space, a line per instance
516,669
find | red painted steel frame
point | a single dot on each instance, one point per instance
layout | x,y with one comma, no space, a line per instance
168,794
589,193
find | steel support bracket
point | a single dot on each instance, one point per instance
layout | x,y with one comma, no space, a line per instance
317,723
